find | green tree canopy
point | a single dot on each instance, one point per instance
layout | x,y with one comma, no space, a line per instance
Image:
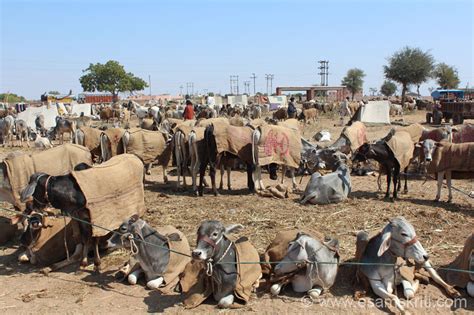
354,80
388,88
11,98
409,66
53,93
446,76
110,77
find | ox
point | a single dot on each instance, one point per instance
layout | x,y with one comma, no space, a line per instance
308,115
64,126
22,132
39,124
6,129
280,114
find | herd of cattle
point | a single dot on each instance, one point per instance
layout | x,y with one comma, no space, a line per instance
98,181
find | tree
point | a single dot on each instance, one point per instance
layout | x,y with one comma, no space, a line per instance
11,98
409,66
446,76
372,91
110,77
53,93
388,88
354,81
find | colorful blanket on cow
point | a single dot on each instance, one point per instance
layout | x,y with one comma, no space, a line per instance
279,145
91,137
197,286
60,160
462,262
402,148
234,140
115,137
415,131
113,190
356,134
148,146
452,156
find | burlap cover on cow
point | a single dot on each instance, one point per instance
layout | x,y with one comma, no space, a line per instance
356,134
279,145
402,148
148,145
415,131
452,156
215,121
60,160
115,137
462,262
7,230
113,190
291,123
91,137
235,140
197,285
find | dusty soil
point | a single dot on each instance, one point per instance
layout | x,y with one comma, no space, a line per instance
441,227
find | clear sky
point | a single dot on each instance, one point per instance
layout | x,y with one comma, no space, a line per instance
46,44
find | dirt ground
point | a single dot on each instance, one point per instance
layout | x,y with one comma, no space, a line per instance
441,228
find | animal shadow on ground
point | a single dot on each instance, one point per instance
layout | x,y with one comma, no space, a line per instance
158,303
451,207
361,194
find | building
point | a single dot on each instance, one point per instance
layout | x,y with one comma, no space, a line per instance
332,93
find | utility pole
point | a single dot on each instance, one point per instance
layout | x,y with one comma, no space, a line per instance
181,89
149,83
247,87
269,78
324,71
190,88
253,77
234,84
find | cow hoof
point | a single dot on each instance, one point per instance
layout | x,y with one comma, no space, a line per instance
23,258
436,200
132,279
46,271
154,284
148,172
315,293
275,289
405,191
97,268
226,302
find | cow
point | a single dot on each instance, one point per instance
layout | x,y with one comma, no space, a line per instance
181,153
302,259
256,111
22,132
6,130
42,143
330,188
151,250
446,159
89,138
221,254
280,114
308,115
379,254
140,111
396,110
39,124
109,113
155,113
64,126
83,121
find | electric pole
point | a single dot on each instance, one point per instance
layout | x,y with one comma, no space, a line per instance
324,71
247,87
253,77
269,78
181,89
149,83
234,84
190,88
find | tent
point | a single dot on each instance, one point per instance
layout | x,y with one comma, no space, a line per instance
49,112
77,109
237,99
277,101
374,112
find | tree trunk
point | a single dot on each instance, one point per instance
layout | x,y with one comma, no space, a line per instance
418,90
352,95
404,90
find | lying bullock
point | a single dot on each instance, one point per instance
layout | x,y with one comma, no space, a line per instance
452,160
103,195
330,188
216,269
379,254
299,254
151,253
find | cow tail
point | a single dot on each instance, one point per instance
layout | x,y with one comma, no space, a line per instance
255,139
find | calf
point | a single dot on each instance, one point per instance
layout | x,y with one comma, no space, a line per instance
397,239
221,256
64,126
22,132
181,156
39,123
151,250
6,129
42,143
303,259
308,115
280,114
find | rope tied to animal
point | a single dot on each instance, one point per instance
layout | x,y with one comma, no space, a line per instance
345,263
209,262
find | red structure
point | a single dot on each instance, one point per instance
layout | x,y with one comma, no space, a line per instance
332,93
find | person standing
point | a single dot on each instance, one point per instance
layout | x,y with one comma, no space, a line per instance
344,111
188,111
292,108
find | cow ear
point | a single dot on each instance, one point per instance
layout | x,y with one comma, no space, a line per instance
134,218
385,245
233,228
16,219
29,190
418,144
174,237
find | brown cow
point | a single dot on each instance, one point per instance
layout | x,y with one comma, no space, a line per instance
309,114
109,113
280,114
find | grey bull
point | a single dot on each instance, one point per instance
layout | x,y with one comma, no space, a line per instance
316,277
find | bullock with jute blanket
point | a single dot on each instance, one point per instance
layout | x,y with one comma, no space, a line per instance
176,263
92,139
458,157
214,121
115,140
415,131
198,286
464,261
57,161
291,123
279,145
234,140
356,134
402,148
113,191
148,146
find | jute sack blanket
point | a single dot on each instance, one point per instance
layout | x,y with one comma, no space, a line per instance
113,190
452,156
356,134
49,247
197,286
215,121
91,138
7,230
415,131
148,146
402,148
291,123
279,145
57,161
234,140
464,261
115,137
463,133
255,123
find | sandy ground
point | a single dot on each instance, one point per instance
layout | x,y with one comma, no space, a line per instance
441,227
